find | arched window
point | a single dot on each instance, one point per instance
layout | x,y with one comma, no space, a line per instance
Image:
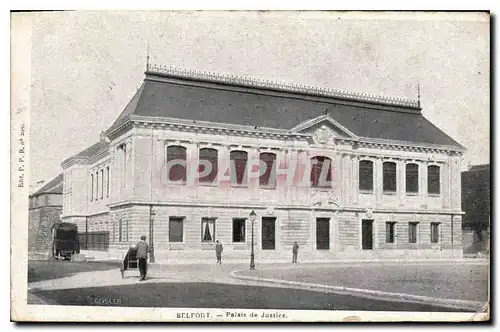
321,172
411,178
207,157
268,178
366,175
433,177
389,171
238,165
176,163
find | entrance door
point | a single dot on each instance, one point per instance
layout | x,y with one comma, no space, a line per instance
367,234
268,233
322,233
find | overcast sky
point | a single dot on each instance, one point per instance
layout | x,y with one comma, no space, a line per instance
87,65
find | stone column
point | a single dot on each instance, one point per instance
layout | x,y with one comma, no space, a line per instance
401,180
378,175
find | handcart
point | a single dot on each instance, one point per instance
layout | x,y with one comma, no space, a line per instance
130,262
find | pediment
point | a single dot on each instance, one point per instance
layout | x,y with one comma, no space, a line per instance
324,130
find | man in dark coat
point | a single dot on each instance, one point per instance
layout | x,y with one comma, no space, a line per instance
142,256
218,252
295,251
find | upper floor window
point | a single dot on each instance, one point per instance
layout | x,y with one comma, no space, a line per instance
97,185
433,177
91,187
268,175
208,165
366,175
102,183
411,178
238,165
123,160
107,182
321,172
389,171
176,163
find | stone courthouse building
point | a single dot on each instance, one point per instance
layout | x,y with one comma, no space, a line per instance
347,176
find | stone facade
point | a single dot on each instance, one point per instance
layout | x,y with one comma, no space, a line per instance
45,208
122,189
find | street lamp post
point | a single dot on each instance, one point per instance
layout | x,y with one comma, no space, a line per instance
252,256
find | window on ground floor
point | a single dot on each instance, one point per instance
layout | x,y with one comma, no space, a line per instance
239,230
412,232
390,228
208,229
176,229
434,232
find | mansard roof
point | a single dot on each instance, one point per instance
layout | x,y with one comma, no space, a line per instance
89,152
54,186
199,96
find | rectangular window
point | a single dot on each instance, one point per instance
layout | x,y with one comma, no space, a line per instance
412,232
107,182
120,230
389,231
97,186
175,229
433,180
208,229
434,232
91,187
239,230
102,183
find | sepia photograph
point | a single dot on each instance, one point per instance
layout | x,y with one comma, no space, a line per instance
250,166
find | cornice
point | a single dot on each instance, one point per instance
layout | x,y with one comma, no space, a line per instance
257,83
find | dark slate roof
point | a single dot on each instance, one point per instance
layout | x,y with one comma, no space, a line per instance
54,186
219,103
90,151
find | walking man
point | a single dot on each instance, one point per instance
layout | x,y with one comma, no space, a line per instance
295,251
142,256
218,252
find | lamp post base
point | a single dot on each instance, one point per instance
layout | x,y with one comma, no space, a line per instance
252,262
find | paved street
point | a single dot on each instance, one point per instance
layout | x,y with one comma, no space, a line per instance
460,281
211,286
217,295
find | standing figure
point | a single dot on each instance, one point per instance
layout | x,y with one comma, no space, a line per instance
142,256
295,251
218,252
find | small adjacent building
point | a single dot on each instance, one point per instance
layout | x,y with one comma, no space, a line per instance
45,208
476,203
346,175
